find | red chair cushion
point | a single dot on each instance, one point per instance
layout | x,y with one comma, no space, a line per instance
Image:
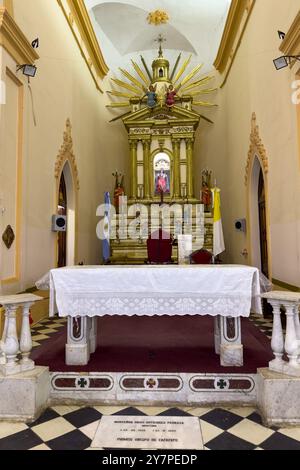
159,247
201,257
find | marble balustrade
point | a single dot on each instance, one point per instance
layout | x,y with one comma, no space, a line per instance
286,348
14,350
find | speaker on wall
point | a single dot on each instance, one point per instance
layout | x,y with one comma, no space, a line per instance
59,223
240,225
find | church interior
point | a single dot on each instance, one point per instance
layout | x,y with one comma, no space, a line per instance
149,224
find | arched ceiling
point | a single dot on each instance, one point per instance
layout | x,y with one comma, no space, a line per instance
195,27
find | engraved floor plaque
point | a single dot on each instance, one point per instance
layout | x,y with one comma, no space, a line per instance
148,432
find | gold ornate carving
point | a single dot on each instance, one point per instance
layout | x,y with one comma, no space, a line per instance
257,148
66,154
14,41
81,26
291,43
158,17
237,20
8,237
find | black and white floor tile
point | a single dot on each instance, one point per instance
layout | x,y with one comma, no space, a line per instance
45,328
73,428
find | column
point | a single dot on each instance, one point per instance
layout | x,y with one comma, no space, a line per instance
133,158
11,343
82,340
146,147
189,157
291,343
277,342
2,342
231,351
176,172
26,340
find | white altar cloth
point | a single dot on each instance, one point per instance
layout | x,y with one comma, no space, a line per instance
226,290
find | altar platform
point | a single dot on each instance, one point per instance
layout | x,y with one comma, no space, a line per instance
147,344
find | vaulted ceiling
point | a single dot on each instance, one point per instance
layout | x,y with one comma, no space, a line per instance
194,27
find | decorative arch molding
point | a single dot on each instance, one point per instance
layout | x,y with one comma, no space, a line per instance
257,159
66,154
257,149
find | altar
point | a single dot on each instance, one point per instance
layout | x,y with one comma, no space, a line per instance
226,292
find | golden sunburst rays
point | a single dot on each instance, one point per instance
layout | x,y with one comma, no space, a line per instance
132,88
182,69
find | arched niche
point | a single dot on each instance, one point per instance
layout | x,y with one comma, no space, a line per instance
161,159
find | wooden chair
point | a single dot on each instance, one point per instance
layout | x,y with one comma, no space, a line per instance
159,247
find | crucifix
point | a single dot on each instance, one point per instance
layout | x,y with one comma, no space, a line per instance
160,40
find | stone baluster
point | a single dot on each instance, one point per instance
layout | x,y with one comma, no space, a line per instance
10,344
297,327
2,342
277,342
26,340
290,345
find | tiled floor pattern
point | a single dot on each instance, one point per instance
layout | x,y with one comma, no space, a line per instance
73,428
45,328
264,324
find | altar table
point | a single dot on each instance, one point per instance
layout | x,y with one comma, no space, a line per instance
83,293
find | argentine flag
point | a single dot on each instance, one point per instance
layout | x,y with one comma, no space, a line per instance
106,228
219,245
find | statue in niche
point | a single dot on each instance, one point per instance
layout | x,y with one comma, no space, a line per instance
206,195
151,96
162,184
119,189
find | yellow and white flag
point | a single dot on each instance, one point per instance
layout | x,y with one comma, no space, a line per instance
219,245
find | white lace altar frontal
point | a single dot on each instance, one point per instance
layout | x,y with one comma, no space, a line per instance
226,290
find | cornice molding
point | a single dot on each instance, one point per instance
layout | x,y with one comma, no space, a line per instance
291,43
237,20
79,21
14,40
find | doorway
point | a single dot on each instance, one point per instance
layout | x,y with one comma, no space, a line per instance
258,219
263,225
66,206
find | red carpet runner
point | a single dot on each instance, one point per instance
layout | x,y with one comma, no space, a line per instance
157,344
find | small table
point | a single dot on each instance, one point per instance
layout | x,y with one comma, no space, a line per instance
226,292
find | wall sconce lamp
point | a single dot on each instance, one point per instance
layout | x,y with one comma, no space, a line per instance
28,70
285,61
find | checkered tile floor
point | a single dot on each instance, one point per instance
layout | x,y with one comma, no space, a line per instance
264,324
45,328
73,428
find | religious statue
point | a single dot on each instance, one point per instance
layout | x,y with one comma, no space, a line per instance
162,185
162,182
206,195
151,96
170,96
119,189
